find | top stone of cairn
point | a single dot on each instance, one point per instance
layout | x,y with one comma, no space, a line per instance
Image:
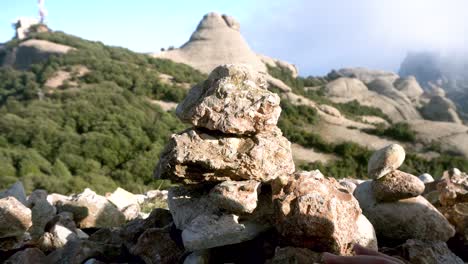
234,100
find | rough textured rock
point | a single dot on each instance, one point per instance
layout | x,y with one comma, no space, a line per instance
441,109
209,231
425,252
17,191
122,198
404,219
92,210
426,178
348,185
14,243
296,256
365,234
155,246
196,156
15,218
453,187
385,160
397,185
313,212
236,196
234,99
27,256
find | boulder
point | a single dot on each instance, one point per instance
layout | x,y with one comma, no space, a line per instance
200,156
365,234
17,191
314,212
209,231
346,87
233,100
410,87
385,160
404,219
15,218
10,244
453,187
441,108
155,246
92,210
122,198
397,185
236,197
42,212
27,256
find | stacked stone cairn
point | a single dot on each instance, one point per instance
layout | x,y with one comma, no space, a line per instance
393,203
238,176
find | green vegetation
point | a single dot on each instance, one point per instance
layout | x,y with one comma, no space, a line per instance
104,133
101,130
398,131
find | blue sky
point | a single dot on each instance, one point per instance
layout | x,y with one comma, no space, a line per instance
315,35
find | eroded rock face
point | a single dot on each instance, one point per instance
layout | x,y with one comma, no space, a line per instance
198,156
397,185
312,212
236,196
385,160
404,219
92,210
441,108
233,100
15,218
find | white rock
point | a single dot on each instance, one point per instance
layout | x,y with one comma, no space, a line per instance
365,235
122,198
426,178
385,160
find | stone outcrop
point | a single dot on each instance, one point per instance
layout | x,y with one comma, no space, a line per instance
217,40
440,108
313,212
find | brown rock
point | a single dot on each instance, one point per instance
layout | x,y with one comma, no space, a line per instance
236,197
234,100
397,185
15,218
453,187
198,156
78,251
315,213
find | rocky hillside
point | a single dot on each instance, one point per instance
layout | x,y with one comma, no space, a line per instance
440,71
247,205
76,113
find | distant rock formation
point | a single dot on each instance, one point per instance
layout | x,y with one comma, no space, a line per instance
217,40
